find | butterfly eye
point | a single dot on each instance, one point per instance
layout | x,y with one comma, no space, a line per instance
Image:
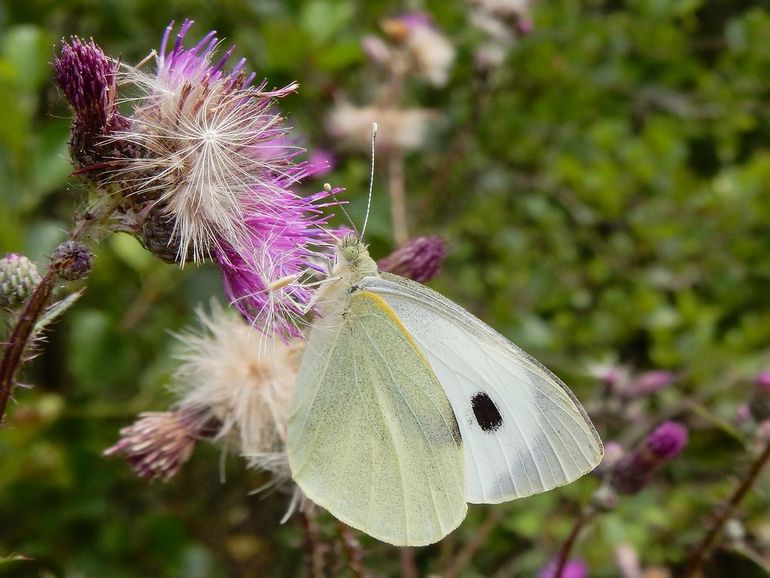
486,412
350,253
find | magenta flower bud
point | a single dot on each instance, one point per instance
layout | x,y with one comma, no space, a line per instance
635,470
87,78
651,381
759,403
572,569
420,259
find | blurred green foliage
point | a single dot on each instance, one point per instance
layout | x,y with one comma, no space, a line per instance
604,193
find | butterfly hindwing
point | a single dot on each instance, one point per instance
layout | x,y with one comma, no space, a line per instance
523,431
372,435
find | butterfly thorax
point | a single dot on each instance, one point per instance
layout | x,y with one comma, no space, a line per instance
353,263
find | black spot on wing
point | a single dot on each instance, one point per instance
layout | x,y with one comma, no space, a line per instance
486,412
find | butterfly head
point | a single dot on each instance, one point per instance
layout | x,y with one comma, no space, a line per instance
352,254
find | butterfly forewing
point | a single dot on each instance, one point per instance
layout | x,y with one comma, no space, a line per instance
372,437
523,431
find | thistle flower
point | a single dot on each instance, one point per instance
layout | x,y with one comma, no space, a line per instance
399,129
420,259
88,80
239,378
635,470
158,444
267,285
18,279
321,162
210,149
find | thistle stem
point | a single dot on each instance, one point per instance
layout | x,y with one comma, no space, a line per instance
314,557
13,357
702,550
465,555
23,329
397,197
585,517
353,550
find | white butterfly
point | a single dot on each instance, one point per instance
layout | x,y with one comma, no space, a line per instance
406,407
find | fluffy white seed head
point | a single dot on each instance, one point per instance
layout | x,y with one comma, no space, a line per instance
241,377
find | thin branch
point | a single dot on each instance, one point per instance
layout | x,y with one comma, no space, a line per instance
464,556
585,517
13,357
408,563
353,551
314,552
397,197
726,511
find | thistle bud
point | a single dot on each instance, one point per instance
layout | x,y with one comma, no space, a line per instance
71,261
18,279
635,470
759,404
419,259
158,444
87,78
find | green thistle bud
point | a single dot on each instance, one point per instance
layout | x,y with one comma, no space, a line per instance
18,279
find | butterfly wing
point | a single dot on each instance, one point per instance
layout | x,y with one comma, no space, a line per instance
522,429
372,437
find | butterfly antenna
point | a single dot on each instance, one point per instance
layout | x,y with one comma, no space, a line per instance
371,181
328,189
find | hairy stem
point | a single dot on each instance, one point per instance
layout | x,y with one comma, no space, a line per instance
23,329
585,517
13,357
701,551
397,197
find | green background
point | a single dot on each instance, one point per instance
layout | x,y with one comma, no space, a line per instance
604,193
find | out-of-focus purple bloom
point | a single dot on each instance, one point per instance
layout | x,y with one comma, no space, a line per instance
415,19
88,79
321,162
572,569
759,402
420,259
158,444
635,470
613,452
650,381
376,49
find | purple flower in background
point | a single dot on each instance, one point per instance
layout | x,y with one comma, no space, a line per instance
572,569
88,80
419,259
651,381
321,162
635,470
759,403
